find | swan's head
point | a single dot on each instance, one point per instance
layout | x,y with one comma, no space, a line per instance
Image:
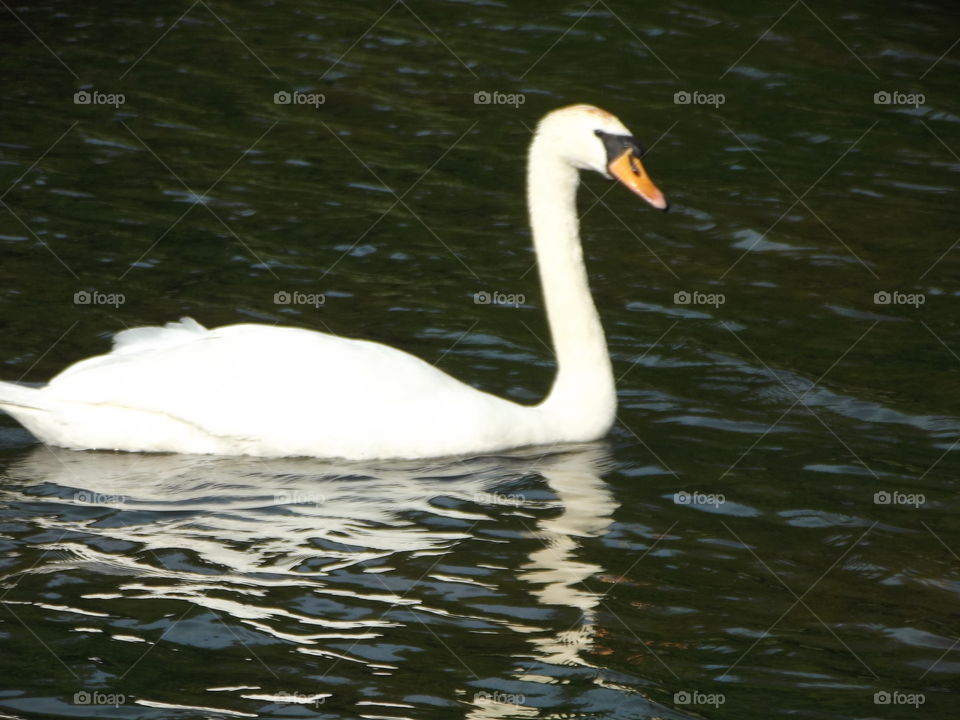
588,138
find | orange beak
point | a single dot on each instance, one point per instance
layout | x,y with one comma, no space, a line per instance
628,169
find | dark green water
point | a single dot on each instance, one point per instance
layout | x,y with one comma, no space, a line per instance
574,585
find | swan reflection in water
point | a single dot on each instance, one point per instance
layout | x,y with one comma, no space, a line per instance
225,534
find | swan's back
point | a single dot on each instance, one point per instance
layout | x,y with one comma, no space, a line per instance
283,391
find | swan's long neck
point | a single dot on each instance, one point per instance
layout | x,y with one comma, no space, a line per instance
582,403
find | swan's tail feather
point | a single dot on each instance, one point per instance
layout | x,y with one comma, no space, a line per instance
14,396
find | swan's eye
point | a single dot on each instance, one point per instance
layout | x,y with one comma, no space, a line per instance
618,146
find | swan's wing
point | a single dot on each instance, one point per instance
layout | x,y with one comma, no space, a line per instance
133,342
143,339
257,381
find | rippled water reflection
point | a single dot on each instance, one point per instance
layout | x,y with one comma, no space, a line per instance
353,571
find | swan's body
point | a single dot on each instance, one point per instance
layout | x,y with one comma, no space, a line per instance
275,391
262,390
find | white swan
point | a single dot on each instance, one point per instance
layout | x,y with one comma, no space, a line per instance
276,391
